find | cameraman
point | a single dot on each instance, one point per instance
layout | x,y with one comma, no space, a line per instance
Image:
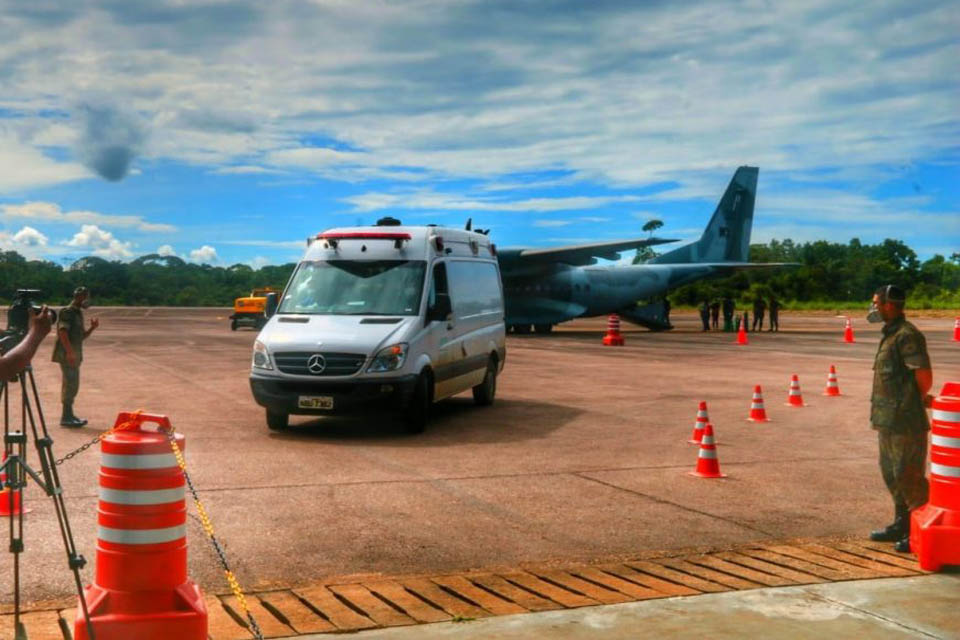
15,360
68,351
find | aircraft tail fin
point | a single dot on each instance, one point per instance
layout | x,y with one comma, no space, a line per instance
727,236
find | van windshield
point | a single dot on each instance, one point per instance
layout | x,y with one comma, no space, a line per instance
352,288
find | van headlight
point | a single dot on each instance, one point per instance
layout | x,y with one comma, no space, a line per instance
261,357
389,359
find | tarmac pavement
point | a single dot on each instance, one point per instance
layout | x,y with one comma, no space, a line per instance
583,457
892,608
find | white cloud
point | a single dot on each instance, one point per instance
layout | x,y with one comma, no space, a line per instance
204,255
51,212
244,170
30,237
166,250
259,262
23,166
373,201
274,244
102,243
551,223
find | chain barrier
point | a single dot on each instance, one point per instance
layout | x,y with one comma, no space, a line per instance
211,535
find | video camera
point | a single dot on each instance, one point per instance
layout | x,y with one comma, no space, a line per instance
18,318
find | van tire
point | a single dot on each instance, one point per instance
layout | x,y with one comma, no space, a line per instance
417,413
277,421
485,392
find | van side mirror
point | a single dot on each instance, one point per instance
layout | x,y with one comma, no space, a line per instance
441,308
271,305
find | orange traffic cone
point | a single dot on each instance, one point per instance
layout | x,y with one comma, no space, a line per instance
708,465
956,330
742,333
613,337
794,397
757,411
9,507
702,420
833,387
848,332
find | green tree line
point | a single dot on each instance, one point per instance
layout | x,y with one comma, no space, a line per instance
831,274
828,274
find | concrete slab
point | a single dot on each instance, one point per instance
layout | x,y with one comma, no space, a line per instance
917,607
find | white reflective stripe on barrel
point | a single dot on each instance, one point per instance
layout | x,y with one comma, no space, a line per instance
159,496
946,416
708,453
944,470
943,441
145,461
142,536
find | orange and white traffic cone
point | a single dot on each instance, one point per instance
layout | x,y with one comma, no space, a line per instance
956,330
742,333
702,420
613,338
794,397
708,465
757,411
833,387
848,332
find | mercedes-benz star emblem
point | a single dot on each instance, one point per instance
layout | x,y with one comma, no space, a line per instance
316,364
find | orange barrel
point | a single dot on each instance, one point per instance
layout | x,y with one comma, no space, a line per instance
141,589
935,527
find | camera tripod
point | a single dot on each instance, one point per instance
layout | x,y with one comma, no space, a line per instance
16,468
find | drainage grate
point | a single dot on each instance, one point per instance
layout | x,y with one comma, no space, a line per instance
339,607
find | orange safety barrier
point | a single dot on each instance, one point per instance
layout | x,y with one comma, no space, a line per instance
794,397
758,413
833,385
699,424
742,333
848,332
935,527
141,589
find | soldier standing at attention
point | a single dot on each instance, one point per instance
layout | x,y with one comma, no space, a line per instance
728,308
774,314
705,315
759,306
715,314
68,352
902,377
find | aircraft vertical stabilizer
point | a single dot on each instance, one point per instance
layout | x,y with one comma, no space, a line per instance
727,236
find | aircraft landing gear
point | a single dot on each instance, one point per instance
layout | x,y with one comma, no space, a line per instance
543,329
521,329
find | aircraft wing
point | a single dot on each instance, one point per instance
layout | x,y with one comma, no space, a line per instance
579,255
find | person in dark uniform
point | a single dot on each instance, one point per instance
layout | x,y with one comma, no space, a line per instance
715,314
705,315
728,308
774,314
759,306
666,312
902,377
68,352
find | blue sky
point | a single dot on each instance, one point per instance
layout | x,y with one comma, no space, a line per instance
227,132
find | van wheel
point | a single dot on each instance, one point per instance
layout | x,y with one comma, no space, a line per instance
418,411
486,391
277,421
233,325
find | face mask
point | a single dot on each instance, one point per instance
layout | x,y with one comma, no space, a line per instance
874,314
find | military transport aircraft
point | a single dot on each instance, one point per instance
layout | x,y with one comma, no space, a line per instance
543,287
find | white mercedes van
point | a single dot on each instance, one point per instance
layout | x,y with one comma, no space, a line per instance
387,316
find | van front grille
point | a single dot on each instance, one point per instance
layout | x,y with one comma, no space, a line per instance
334,364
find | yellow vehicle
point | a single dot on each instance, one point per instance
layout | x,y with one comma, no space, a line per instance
249,310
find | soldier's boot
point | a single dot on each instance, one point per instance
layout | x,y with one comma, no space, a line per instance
70,420
896,530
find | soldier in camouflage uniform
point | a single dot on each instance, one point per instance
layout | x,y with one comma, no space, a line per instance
68,352
902,376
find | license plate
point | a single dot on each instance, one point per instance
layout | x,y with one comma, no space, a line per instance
315,402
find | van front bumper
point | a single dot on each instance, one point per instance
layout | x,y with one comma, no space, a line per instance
353,396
